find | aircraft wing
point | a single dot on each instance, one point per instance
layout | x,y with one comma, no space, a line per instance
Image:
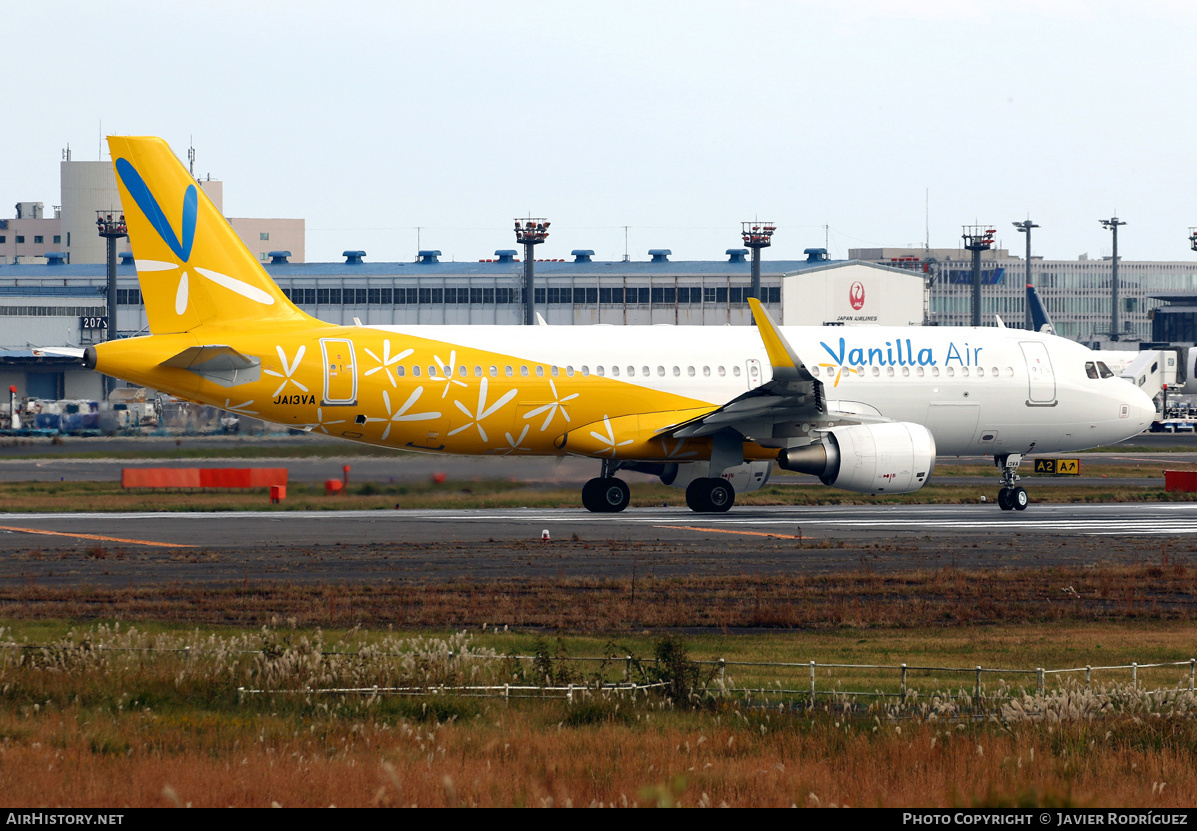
792,395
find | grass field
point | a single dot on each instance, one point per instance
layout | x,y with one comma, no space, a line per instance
111,716
24,497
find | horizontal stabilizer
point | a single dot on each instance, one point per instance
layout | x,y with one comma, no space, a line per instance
221,365
59,351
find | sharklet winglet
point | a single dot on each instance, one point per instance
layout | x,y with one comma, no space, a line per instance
782,357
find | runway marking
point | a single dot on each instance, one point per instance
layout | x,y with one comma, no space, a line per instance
94,537
728,531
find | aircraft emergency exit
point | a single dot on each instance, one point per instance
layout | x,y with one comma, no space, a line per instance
707,409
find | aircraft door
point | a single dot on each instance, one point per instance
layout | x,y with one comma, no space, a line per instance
754,373
1041,379
340,371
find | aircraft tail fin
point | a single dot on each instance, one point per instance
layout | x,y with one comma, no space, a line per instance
193,269
1040,320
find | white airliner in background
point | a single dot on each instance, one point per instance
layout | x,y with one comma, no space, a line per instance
707,409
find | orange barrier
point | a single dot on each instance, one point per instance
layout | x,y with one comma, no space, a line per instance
1180,480
203,477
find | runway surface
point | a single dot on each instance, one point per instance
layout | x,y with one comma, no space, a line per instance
140,548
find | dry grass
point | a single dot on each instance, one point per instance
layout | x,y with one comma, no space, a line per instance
949,598
89,726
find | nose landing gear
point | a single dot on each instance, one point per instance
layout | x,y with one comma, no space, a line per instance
1011,497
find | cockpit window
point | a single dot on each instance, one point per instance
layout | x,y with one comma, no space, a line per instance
1091,369
1104,370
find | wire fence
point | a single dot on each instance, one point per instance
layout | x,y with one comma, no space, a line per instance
563,676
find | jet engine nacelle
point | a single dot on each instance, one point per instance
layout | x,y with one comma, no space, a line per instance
744,478
894,457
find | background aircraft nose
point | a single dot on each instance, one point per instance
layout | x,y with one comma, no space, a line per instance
1142,408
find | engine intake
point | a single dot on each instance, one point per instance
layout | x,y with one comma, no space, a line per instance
896,457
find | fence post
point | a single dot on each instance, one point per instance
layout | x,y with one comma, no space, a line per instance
977,688
1039,679
1088,675
1135,674
627,667
903,683
1192,663
722,682
812,683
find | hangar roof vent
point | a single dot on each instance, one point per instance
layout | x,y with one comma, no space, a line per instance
581,255
659,255
506,255
353,257
428,256
815,255
280,257
55,258
736,255
126,258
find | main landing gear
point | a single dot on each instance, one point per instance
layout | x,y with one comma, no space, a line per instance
1011,497
606,494
710,496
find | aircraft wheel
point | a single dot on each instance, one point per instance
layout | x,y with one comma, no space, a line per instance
1004,501
590,495
710,495
721,496
1020,499
605,496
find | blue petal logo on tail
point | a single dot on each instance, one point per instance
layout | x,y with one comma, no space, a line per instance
145,200
149,206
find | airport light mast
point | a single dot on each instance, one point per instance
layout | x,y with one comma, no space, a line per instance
978,238
1193,238
530,233
111,227
757,235
1115,322
1025,227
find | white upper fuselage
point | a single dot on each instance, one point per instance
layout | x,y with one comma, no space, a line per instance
981,391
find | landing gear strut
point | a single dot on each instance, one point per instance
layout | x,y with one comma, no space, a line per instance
606,494
1011,497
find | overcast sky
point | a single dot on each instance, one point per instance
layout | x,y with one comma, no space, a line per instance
677,120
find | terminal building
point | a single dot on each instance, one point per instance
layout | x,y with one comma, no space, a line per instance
68,231
64,304
1076,292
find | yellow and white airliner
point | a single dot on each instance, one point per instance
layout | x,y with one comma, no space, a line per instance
706,409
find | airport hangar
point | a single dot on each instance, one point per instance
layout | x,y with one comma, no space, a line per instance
56,303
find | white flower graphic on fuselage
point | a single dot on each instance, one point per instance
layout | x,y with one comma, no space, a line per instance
482,411
557,406
288,371
387,361
402,413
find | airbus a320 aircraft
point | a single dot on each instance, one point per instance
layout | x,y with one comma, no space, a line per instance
706,409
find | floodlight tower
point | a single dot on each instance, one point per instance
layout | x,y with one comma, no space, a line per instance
757,235
977,238
530,233
1025,227
111,227
1115,323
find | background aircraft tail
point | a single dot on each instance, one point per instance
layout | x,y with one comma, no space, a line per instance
193,269
1040,320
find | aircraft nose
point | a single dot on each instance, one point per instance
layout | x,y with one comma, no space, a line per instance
1141,409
